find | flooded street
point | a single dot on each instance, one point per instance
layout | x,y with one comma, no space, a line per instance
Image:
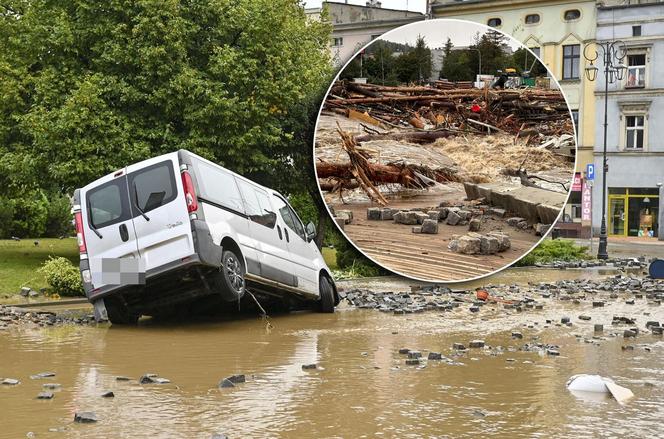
362,387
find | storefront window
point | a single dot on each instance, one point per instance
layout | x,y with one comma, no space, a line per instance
633,212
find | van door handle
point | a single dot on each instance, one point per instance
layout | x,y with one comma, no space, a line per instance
124,233
279,230
286,232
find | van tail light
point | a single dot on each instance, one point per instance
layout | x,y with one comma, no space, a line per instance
78,219
189,192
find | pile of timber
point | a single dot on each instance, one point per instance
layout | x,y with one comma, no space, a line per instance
528,113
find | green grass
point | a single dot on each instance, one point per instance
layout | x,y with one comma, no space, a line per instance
555,250
330,256
19,261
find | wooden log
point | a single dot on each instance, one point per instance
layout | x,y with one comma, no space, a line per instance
415,137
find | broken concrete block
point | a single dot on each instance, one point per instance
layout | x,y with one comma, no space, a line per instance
465,214
514,221
469,245
434,215
523,225
474,224
442,213
421,217
387,213
417,229
489,245
405,217
500,213
503,240
430,226
453,218
454,245
374,213
346,215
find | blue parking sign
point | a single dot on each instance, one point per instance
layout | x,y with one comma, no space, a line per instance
590,171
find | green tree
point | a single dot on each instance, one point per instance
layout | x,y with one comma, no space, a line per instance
87,87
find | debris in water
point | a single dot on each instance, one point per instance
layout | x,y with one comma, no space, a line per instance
586,383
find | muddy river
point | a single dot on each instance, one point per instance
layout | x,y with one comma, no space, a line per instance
362,386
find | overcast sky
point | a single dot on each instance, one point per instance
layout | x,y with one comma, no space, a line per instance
411,5
435,33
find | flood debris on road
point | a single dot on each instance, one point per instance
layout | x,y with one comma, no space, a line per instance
585,383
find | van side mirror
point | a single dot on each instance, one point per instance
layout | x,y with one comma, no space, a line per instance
311,231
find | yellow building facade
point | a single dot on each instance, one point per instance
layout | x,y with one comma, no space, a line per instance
558,31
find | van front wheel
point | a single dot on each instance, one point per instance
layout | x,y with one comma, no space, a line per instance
231,279
326,301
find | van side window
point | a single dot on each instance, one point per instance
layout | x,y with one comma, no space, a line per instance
217,186
256,207
152,187
291,219
107,204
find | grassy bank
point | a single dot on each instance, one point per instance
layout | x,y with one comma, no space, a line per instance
554,250
19,261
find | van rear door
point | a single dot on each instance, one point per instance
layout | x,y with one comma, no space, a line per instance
161,220
108,228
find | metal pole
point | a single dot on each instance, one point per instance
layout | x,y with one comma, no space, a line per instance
602,251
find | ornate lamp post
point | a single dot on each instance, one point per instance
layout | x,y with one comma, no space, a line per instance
613,53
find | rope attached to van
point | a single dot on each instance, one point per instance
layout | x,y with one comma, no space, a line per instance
264,316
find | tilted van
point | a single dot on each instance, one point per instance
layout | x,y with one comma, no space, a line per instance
163,233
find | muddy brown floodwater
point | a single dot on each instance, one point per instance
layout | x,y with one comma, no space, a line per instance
362,387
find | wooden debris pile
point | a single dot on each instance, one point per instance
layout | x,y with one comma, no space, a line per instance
434,112
359,172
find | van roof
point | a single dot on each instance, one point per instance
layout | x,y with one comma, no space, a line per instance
181,151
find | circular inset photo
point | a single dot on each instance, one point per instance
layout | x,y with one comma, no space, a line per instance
445,150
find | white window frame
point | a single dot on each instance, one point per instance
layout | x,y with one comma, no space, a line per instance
641,69
632,131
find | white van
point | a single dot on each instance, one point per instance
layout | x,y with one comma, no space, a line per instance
165,232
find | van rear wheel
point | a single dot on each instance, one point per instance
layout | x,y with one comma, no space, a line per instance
326,301
118,313
230,281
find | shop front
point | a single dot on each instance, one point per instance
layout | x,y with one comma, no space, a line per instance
633,212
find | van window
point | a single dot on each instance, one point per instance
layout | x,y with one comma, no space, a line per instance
152,187
290,218
256,205
107,204
217,186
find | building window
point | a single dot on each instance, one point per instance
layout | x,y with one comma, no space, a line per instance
337,42
571,57
635,129
494,22
572,14
532,18
575,118
636,31
636,70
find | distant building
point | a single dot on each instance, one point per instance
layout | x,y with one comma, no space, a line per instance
437,61
635,121
354,25
557,31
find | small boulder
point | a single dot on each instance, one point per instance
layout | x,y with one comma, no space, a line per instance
514,221
453,218
374,213
474,225
108,394
476,344
429,226
45,395
414,354
85,417
312,366
226,383
10,382
435,356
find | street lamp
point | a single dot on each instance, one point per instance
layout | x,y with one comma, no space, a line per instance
613,52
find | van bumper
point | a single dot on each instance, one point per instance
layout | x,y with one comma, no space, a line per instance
207,254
